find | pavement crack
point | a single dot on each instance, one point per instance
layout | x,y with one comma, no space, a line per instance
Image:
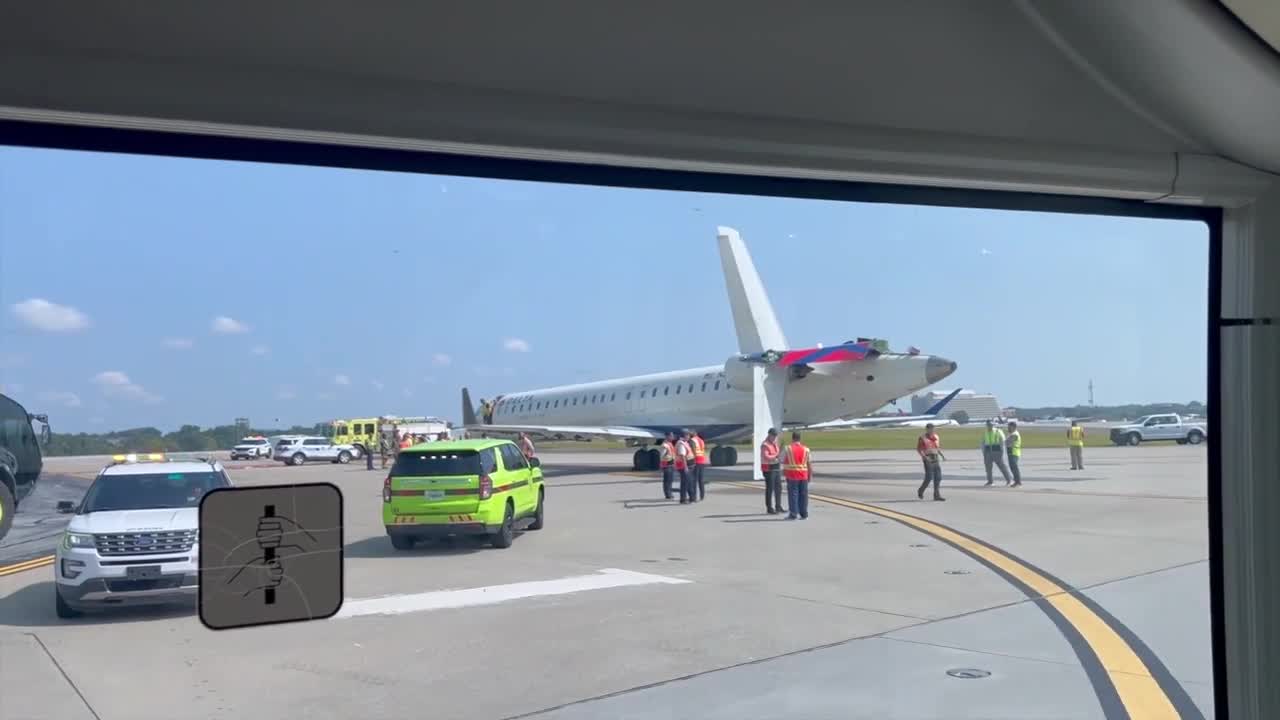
65,676
850,607
1011,656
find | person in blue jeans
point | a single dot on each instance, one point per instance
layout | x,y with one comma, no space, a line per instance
796,468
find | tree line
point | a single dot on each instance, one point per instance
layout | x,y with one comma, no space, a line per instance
188,438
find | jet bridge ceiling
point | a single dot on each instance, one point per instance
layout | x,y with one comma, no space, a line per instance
747,81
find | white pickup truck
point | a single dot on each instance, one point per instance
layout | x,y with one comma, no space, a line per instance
1168,426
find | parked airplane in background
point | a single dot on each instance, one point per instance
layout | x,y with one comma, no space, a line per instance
765,385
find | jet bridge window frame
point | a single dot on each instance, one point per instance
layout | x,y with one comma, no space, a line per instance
1094,197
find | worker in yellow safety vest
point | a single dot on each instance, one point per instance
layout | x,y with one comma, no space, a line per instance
1075,442
796,468
993,452
699,447
1013,447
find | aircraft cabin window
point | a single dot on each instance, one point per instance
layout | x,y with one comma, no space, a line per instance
704,387
666,390
717,385
613,397
677,389
642,394
628,395
690,387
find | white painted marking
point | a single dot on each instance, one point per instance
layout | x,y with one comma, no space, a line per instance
493,594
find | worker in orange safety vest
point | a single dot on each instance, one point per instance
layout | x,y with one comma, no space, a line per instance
667,461
699,447
770,465
684,458
797,469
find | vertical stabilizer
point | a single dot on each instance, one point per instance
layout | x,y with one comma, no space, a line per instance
753,318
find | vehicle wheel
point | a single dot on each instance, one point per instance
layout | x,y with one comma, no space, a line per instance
61,607
655,459
507,533
1195,437
297,459
357,452
730,455
537,515
1134,438
402,542
640,461
7,507
344,457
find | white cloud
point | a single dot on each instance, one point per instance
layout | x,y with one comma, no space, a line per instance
228,326
516,345
66,399
341,379
50,317
984,252
260,350
441,359
377,385
407,392
116,383
178,343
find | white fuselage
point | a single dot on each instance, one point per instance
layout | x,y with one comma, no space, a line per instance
702,398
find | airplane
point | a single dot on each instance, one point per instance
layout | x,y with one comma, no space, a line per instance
765,385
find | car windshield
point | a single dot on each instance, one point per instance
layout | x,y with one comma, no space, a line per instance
150,491
436,463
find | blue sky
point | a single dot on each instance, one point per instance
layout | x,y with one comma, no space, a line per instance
115,270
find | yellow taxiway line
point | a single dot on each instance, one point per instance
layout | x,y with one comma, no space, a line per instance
1128,678
25,565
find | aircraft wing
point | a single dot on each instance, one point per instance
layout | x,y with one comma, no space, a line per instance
566,432
931,414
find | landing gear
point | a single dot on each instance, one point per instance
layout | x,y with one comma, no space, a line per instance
645,459
724,455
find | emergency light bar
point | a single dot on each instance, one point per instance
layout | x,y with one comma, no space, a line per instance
134,457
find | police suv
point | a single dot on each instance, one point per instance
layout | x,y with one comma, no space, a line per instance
133,538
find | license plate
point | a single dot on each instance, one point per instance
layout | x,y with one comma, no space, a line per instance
434,494
142,572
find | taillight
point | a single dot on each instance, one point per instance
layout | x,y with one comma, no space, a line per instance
386,490
486,487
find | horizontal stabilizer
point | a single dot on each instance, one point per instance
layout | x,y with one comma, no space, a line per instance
844,352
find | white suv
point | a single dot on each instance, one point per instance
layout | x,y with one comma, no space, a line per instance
134,537
298,449
252,447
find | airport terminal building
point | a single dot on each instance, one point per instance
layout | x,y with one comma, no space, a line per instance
978,406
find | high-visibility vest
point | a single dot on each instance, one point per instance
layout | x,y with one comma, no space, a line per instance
1015,443
699,450
991,438
795,464
769,452
682,454
668,452
1075,436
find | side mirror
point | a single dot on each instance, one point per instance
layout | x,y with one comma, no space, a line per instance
66,507
535,462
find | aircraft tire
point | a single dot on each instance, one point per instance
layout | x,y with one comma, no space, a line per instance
640,460
730,455
655,458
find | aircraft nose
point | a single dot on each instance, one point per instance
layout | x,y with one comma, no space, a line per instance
936,368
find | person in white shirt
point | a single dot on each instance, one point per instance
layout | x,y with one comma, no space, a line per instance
993,452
